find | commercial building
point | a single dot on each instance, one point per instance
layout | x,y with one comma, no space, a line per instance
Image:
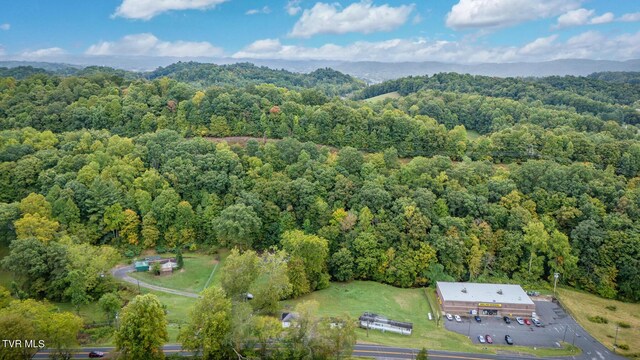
484,299
374,321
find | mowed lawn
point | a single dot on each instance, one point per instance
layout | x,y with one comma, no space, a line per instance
582,305
409,305
191,278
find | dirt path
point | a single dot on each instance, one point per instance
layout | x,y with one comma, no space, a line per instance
122,273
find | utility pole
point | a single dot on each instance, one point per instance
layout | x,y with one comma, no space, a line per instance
615,341
555,282
138,287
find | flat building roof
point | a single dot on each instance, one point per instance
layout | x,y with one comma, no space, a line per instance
483,293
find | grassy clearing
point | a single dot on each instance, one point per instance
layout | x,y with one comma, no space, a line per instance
582,306
472,135
192,278
222,256
391,95
90,313
404,305
398,304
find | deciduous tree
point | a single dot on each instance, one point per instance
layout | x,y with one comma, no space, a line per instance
143,329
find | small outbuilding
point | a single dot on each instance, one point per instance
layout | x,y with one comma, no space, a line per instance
287,319
484,299
167,267
141,266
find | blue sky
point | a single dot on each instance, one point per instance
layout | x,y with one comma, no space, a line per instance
463,31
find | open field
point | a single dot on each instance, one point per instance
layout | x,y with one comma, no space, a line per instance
398,304
582,305
192,278
391,95
90,313
472,135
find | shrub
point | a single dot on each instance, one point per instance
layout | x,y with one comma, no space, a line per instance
611,307
624,325
623,346
598,319
155,268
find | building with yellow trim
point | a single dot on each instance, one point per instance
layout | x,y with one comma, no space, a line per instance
484,299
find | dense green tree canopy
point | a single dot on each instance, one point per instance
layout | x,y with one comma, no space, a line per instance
462,178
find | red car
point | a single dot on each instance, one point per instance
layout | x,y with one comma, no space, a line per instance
489,339
527,321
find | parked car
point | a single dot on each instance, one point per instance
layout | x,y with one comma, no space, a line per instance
507,319
508,339
481,339
449,317
96,354
489,339
527,321
520,321
478,319
536,322
458,318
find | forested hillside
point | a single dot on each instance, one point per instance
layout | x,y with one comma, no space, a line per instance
599,95
407,198
329,81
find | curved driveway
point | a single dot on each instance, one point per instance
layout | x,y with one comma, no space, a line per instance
122,273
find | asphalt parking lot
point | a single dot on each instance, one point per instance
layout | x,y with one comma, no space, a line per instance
527,335
557,326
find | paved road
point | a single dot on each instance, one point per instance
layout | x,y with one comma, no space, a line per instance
360,350
122,273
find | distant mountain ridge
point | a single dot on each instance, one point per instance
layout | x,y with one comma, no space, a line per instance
371,72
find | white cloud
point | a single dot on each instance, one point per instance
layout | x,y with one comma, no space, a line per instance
264,10
388,51
502,13
362,17
632,17
582,16
293,7
147,44
146,9
588,45
2,52
43,53
574,18
5,26
602,19
538,46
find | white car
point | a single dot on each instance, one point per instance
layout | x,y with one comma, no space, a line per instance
520,320
449,317
458,318
481,339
